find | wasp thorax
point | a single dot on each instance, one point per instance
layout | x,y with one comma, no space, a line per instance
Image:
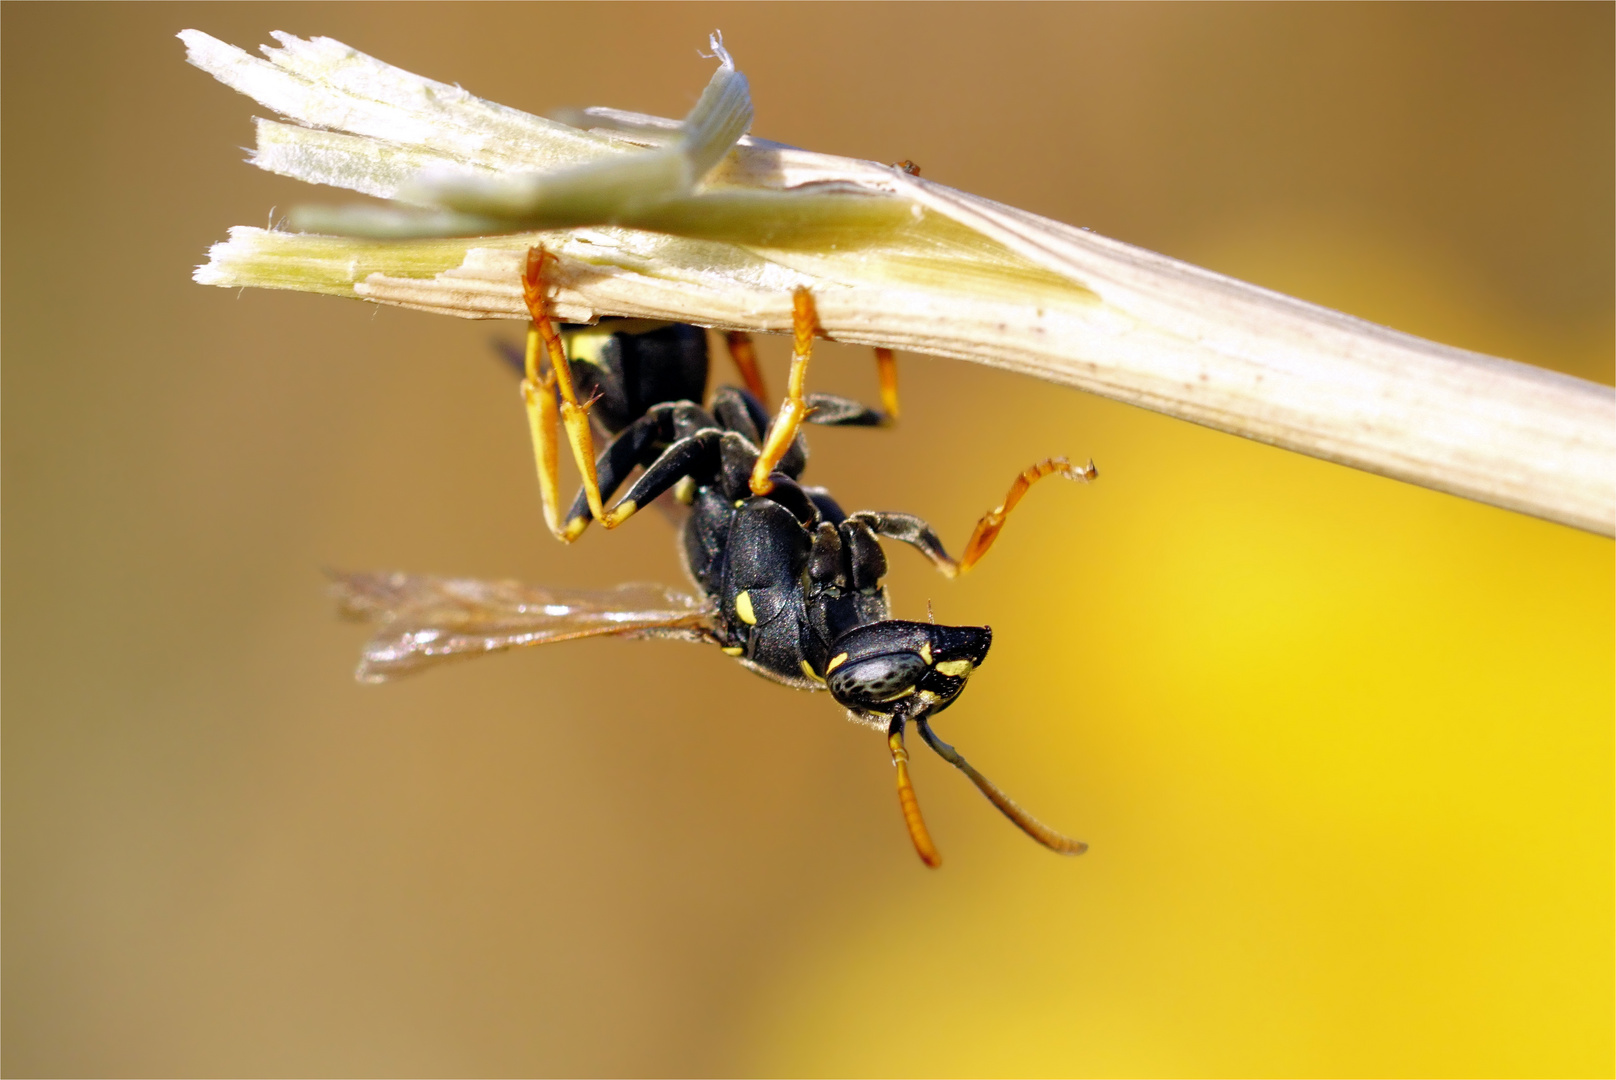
875,667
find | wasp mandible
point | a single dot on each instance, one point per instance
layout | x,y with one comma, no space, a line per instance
790,583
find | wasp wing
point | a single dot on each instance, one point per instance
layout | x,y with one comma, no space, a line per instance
431,620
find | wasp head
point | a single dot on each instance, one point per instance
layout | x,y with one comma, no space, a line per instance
910,667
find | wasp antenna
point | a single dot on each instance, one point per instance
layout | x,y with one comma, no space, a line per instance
1028,824
906,798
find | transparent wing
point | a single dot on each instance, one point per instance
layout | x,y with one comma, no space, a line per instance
430,620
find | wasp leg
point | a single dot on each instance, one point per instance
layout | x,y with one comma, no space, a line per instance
911,530
915,532
740,411
634,447
828,410
536,392
988,528
886,368
744,357
906,797
539,397
828,507
737,410
804,324
699,455
1028,824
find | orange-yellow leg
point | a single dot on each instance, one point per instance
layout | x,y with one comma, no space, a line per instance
745,359
987,530
907,801
886,367
804,324
538,395
542,410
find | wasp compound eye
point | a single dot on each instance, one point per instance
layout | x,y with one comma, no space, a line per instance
877,680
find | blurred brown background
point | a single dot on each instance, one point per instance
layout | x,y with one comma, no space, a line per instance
1342,747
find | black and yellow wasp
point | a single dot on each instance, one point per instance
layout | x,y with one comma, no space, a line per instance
790,583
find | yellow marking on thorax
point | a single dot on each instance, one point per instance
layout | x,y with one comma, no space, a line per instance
732,650
586,346
588,343
925,653
808,670
743,608
954,668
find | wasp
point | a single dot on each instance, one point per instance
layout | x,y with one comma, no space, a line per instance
789,583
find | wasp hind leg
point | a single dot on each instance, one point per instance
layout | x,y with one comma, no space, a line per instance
539,397
540,390
794,409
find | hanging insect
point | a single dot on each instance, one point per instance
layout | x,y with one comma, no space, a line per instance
790,583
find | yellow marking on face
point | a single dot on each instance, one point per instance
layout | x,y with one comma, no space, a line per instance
743,608
925,653
732,650
808,670
835,662
955,668
896,697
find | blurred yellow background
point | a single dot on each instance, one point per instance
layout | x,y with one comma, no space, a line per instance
1342,747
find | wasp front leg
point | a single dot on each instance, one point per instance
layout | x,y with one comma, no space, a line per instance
665,425
539,394
911,530
987,529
